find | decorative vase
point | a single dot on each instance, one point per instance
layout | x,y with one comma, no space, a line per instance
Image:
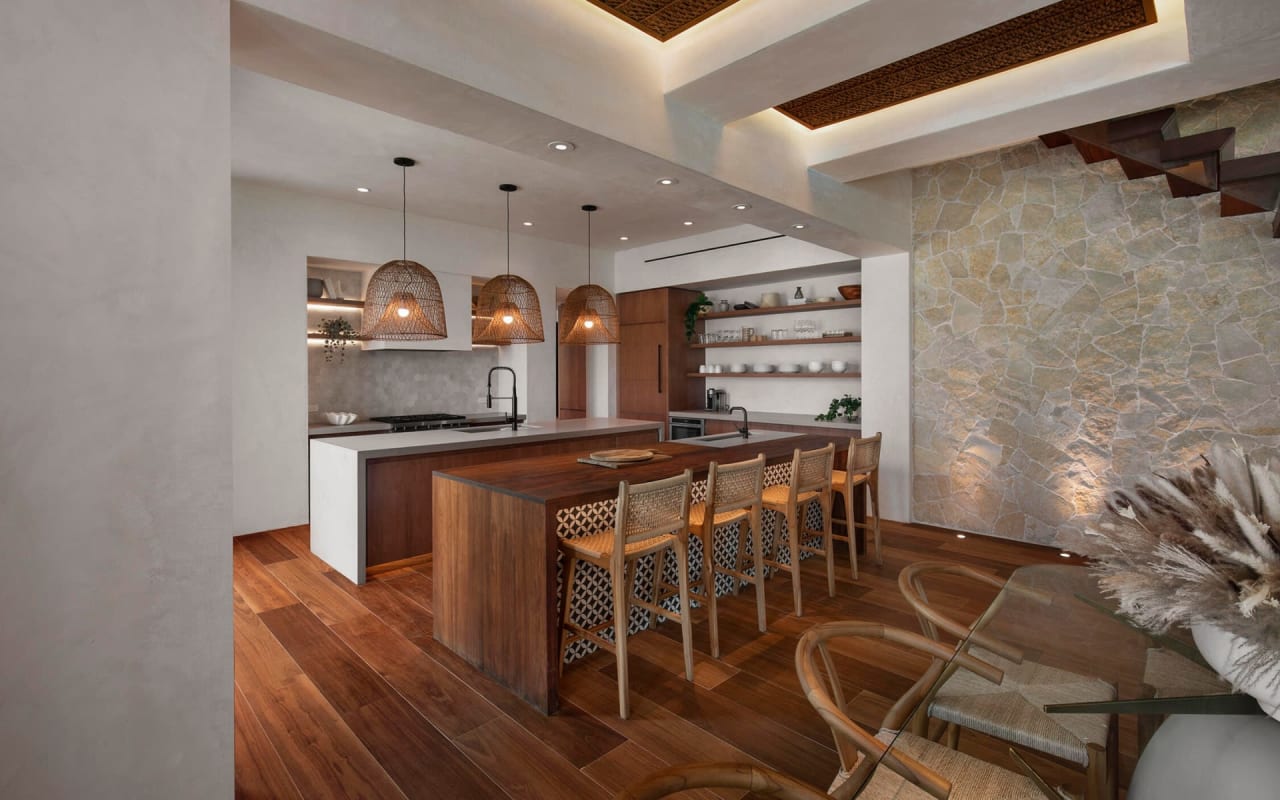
1222,650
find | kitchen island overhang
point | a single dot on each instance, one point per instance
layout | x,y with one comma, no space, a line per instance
379,485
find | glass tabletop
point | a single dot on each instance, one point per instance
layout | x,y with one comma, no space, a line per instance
1043,671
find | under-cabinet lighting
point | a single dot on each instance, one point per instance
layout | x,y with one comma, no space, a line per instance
320,305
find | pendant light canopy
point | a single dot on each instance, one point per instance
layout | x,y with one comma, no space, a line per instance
403,299
507,311
589,315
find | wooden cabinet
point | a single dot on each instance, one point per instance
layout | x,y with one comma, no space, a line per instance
654,360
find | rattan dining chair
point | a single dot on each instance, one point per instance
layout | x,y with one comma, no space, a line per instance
1013,709
650,518
914,767
760,781
734,495
861,474
810,483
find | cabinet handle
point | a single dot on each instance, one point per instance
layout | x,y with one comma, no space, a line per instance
659,369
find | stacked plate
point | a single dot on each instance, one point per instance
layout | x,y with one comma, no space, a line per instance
788,368
762,368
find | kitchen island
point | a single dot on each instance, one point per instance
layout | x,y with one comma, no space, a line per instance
495,572
371,500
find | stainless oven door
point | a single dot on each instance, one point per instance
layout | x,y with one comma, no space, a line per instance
687,427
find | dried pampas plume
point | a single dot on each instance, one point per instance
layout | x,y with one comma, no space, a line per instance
1203,547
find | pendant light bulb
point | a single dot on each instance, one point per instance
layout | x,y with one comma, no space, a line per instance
507,309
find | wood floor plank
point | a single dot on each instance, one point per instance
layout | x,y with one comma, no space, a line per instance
413,585
401,614
260,774
265,547
786,707
668,653
529,769
629,763
260,589
318,593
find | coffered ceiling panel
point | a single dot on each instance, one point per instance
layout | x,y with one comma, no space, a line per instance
663,19
1041,33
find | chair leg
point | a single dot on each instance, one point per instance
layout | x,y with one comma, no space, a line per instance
953,735
686,624
757,543
873,488
570,574
793,541
709,586
828,548
659,570
620,621
852,529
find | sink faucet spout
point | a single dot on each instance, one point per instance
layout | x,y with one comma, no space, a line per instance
745,430
489,396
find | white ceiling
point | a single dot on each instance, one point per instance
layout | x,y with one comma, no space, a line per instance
475,91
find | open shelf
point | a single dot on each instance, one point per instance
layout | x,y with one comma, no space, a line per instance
324,302
776,342
320,337
804,309
773,375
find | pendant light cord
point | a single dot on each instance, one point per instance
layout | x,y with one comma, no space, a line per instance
508,194
404,213
588,248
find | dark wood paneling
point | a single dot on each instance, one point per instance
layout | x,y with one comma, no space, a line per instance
571,381
654,359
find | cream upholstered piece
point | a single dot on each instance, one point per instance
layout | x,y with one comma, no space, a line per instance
970,777
651,518
861,474
734,495
1014,709
810,483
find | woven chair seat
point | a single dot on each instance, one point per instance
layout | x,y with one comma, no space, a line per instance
971,778
597,546
776,496
698,512
1014,710
839,476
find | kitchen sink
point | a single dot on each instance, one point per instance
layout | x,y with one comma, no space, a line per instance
491,428
735,439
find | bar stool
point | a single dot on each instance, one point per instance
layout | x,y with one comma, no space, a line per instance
650,518
862,469
733,495
810,483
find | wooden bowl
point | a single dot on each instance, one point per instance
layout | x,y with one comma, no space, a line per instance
851,291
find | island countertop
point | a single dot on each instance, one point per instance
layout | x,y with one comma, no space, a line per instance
387,445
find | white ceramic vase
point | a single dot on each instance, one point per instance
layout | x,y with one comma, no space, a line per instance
1221,650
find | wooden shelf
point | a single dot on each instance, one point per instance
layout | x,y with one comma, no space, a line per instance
320,337
314,302
804,309
774,375
775,342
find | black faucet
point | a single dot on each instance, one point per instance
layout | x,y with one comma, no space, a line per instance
744,430
489,398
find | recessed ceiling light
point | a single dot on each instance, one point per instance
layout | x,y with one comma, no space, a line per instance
561,147
741,206
624,238
527,224
667,181
799,226
959,535
688,222
361,189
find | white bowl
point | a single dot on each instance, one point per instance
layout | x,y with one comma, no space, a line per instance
340,417
839,366
737,367
762,368
825,300
788,368
815,366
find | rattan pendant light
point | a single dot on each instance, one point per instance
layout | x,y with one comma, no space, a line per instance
589,315
507,311
403,300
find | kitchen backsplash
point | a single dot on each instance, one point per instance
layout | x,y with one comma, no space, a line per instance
385,382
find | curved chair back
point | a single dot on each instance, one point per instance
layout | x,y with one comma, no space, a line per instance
734,486
911,584
647,510
811,470
864,455
761,781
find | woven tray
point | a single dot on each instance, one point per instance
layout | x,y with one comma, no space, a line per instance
617,464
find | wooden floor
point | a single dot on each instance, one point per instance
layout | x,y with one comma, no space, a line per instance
341,691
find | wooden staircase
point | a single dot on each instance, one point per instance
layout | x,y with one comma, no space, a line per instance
1149,144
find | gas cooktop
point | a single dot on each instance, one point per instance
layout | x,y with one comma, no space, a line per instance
422,422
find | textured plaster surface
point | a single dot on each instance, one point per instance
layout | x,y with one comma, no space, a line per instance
385,382
1074,330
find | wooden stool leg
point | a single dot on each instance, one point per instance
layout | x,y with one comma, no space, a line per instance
709,585
825,503
851,528
757,544
873,488
686,624
570,574
793,541
620,621
953,736
659,570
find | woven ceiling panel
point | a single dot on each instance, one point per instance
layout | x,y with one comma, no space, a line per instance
1047,31
663,19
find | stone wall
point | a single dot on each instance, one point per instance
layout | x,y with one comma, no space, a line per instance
1074,330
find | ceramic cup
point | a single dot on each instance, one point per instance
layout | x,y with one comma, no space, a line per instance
815,366
838,366
770,299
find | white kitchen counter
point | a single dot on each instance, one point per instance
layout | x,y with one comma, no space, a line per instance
338,474
325,429
775,418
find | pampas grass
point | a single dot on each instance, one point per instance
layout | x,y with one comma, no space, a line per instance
1202,547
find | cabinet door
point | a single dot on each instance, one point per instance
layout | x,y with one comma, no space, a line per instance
647,306
643,376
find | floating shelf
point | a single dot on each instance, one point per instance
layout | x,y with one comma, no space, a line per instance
320,337
773,375
322,302
804,309
775,342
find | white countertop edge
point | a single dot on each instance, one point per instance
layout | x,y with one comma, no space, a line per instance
777,418
382,445
351,427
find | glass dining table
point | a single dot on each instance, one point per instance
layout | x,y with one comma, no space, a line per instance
1052,620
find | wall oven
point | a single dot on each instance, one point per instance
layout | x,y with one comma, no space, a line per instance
687,427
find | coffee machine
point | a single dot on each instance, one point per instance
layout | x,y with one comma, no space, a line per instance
717,400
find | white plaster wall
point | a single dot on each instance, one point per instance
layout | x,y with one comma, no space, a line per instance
273,232
886,375
115,491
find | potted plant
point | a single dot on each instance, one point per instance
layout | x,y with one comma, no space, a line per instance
845,408
696,309
337,333
1202,550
